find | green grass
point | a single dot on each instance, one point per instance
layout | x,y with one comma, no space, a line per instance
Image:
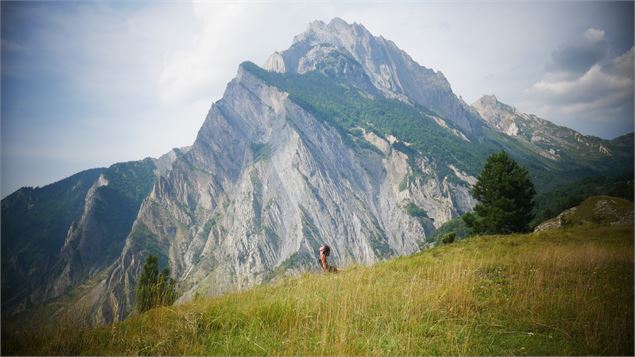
564,292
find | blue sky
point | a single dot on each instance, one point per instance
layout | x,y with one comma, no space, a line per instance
88,84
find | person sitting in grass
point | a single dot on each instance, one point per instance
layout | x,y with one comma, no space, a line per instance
325,250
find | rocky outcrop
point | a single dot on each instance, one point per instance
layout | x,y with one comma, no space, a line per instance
556,222
275,63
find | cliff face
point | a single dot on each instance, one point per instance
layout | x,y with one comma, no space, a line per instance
264,185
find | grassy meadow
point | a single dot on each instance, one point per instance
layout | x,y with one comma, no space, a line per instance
563,292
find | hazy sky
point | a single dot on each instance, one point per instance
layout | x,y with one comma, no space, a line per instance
88,84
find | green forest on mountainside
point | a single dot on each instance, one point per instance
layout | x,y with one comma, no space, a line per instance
36,225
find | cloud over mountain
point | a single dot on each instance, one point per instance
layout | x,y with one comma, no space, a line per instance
584,85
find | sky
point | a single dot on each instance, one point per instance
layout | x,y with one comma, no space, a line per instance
88,84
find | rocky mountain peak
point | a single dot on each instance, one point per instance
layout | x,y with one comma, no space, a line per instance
487,100
337,32
391,71
497,115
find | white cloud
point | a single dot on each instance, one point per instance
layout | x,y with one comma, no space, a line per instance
230,34
187,75
594,35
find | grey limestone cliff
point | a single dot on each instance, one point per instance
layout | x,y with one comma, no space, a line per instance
263,186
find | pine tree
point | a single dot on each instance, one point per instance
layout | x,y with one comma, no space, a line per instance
505,194
154,289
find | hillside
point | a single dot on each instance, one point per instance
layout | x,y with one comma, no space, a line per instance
553,142
560,148
560,292
551,203
594,210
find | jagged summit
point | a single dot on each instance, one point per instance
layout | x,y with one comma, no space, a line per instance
490,99
390,70
337,31
497,115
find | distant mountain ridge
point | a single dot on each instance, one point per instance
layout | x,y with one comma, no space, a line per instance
547,138
341,139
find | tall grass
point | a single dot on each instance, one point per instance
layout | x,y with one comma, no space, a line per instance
566,292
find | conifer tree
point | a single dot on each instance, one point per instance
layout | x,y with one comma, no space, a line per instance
505,194
154,289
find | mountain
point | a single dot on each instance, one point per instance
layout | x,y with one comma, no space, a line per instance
34,225
342,139
556,143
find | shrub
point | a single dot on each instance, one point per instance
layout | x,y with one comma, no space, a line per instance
448,238
415,211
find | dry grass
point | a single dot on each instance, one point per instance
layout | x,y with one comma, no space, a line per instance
567,292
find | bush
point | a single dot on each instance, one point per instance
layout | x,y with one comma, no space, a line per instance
455,225
448,238
415,211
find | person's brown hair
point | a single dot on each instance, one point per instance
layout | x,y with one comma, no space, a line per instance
327,250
